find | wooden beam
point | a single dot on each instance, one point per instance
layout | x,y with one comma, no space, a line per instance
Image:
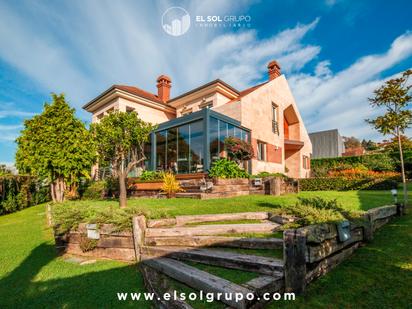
161,222
253,263
316,253
215,229
182,220
200,280
327,264
139,229
265,284
216,241
157,283
294,255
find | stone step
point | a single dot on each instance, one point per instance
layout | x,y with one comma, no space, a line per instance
216,241
229,188
213,229
253,263
200,280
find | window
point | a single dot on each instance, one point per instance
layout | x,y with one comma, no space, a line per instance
306,162
261,151
275,119
100,116
186,111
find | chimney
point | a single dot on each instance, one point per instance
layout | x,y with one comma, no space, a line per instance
273,70
164,83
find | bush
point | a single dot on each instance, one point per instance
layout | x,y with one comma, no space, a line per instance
376,162
170,185
67,216
19,192
268,174
345,184
238,150
151,175
95,190
360,173
224,168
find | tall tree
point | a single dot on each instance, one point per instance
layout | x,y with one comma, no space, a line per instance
55,145
394,96
121,137
351,142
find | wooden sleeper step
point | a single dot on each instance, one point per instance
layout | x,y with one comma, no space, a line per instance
215,229
199,280
253,263
216,241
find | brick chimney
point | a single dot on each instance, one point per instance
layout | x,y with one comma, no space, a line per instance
273,70
164,83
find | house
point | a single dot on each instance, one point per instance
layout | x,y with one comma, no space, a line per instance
327,144
192,126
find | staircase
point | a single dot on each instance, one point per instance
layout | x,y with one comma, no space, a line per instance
172,248
221,188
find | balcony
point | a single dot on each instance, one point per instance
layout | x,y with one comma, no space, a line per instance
293,144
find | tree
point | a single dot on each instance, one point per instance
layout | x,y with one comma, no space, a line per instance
351,142
369,145
238,150
121,137
394,96
55,145
4,170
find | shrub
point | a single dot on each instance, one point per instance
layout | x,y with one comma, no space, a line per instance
374,162
344,184
151,175
224,168
360,173
238,150
268,174
87,244
95,190
318,210
67,216
170,185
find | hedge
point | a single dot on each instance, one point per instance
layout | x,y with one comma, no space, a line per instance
373,162
344,184
19,192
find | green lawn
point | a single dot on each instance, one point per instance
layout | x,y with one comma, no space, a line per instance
155,208
33,276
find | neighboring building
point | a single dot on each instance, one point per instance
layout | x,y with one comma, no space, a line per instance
192,126
327,144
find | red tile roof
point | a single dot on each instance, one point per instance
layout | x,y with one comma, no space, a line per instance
139,92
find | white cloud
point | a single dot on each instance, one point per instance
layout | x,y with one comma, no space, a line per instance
339,100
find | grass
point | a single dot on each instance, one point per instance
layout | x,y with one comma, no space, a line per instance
32,275
104,211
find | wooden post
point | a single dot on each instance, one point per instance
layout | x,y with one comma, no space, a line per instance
139,228
294,255
275,186
368,228
49,216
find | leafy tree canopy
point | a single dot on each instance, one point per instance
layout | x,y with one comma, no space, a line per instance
121,137
56,145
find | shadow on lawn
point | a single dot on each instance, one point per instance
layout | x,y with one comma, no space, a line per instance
96,289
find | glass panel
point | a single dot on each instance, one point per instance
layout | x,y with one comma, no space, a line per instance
238,132
183,149
222,136
214,139
147,153
161,142
196,147
172,150
230,130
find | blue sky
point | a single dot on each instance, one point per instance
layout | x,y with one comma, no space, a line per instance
333,52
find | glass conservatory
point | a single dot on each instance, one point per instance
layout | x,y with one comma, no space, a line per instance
190,143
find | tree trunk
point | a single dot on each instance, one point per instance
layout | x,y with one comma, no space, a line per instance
57,190
52,192
405,191
123,190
